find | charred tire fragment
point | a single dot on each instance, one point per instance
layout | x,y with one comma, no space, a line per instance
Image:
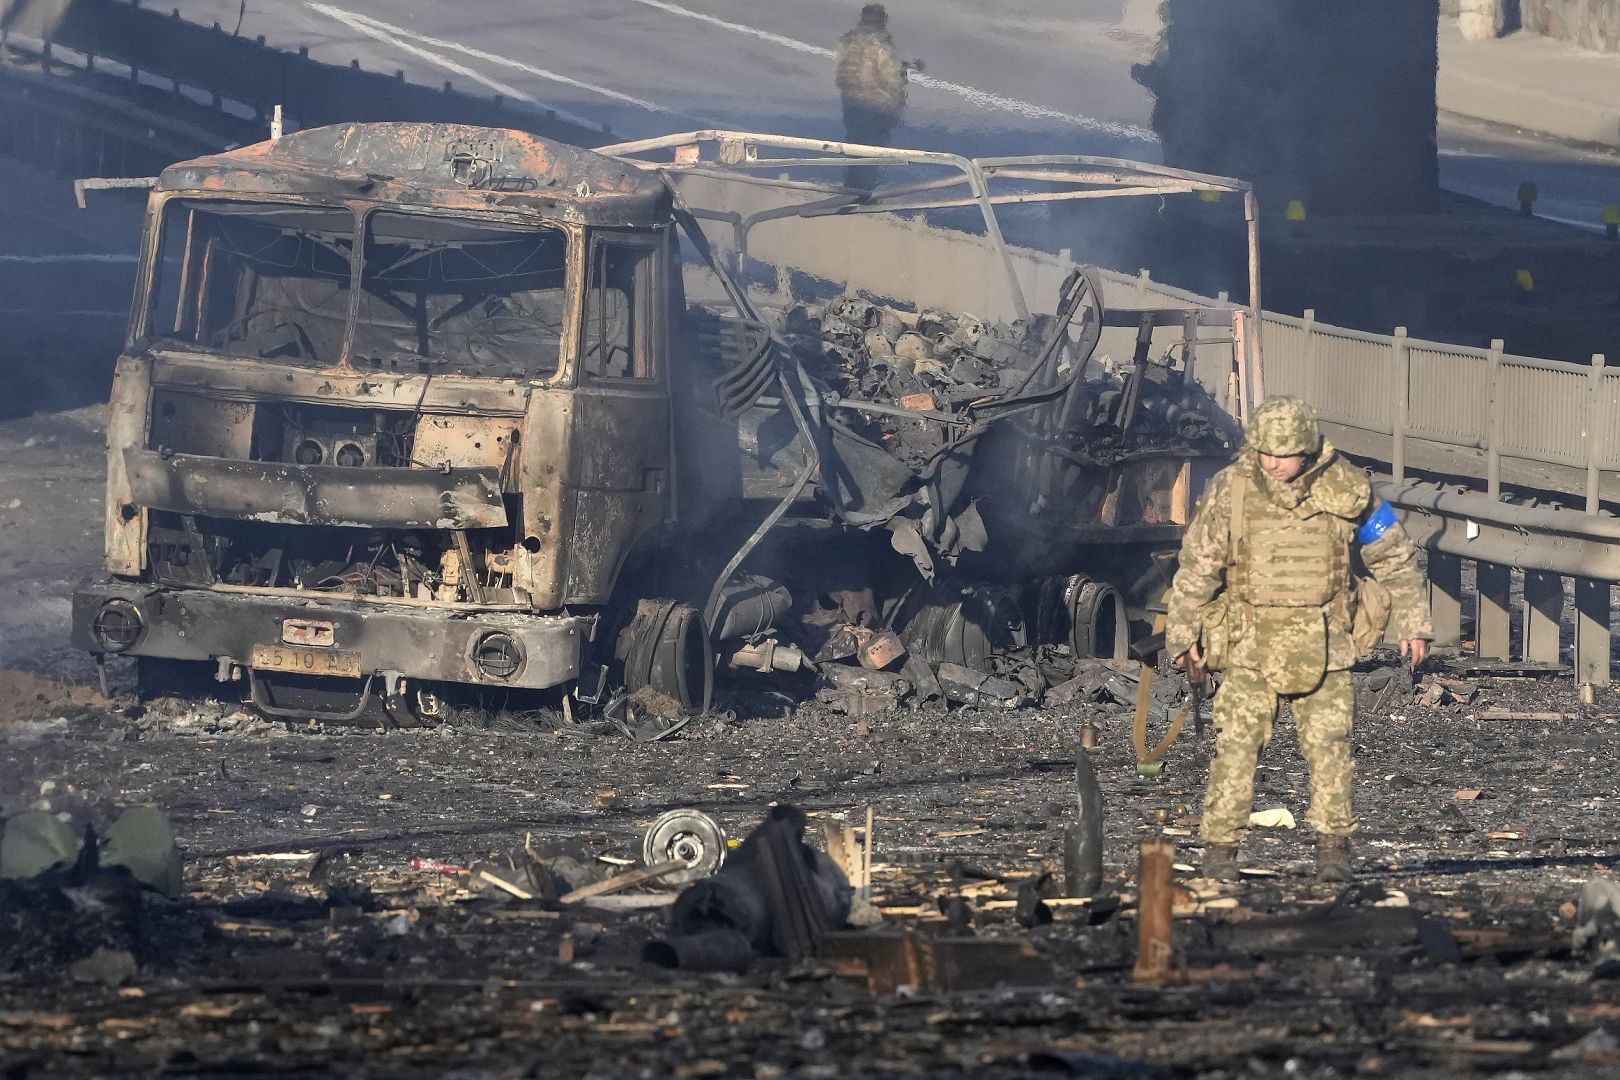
1098,624
665,648
961,624
1088,616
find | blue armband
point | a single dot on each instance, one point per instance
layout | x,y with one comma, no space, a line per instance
1379,522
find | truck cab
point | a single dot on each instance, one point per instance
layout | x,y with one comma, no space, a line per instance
394,409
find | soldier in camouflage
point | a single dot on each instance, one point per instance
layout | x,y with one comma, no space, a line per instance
1266,566
871,81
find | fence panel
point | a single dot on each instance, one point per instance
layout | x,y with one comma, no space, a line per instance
1544,414
1285,357
1450,394
1608,425
1352,379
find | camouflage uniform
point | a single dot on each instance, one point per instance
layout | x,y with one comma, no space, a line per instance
1290,603
871,80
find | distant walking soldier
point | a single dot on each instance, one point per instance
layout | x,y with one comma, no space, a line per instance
1265,590
871,80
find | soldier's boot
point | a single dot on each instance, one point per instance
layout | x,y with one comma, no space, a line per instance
1333,859
1221,862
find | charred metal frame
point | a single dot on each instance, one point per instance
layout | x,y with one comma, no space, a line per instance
374,497
392,636
1077,177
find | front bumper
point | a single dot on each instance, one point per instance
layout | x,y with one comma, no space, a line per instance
419,643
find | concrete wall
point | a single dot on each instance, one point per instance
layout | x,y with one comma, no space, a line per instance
1329,103
1593,24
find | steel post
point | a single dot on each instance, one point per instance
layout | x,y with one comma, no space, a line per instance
1445,597
1543,613
1592,606
1492,620
1493,431
1403,401
1594,432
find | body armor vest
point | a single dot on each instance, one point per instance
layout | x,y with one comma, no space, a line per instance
1286,558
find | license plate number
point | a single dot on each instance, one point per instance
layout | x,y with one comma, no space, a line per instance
302,660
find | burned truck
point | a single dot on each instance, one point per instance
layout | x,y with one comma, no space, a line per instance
411,414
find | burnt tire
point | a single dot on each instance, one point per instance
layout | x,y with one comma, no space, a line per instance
1099,626
961,624
665,648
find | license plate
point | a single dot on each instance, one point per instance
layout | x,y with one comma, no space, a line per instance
299,660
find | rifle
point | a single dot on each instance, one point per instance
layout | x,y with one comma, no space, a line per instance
1147,650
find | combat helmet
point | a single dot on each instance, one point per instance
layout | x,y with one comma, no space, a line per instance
1284,426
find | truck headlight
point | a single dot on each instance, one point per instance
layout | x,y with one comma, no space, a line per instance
117,626
497,655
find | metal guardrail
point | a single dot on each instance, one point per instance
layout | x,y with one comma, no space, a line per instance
247,71
1546,546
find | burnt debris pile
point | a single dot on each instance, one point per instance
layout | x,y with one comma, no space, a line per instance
933,374
998,459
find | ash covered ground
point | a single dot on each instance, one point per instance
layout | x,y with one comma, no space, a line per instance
341,957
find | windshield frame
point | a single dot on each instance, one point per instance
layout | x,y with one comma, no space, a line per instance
140,339
573,276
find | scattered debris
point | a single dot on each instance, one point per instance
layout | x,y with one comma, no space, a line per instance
109,967
1275,818
892,962
860,692
1083,838
1506,714
140,841
1597,920
968,687
1154,948
620,882
777,893
689,837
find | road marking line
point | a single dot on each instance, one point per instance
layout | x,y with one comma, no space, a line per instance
62,258
984,99
402,39
363,25
505,61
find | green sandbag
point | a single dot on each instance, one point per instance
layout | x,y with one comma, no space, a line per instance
35,843
142,841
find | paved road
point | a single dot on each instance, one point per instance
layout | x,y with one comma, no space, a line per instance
1050,74
1038,75
1572,184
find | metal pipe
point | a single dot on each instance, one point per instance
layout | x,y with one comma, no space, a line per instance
1403,389
996,200
1594,432
1251,217
1486,511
